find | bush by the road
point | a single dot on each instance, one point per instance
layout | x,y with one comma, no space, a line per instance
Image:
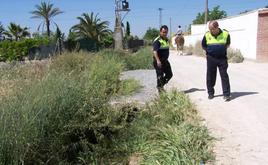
234,56
17,50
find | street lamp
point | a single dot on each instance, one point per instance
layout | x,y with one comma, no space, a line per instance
125,5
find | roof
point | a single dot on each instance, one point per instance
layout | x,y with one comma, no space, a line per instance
263,11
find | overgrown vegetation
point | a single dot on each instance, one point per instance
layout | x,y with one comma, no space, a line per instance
62,115
141,59
10,50
167,132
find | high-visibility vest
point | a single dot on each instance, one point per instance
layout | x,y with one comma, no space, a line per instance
164,44
219,40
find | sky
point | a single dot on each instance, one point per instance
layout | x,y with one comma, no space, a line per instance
143,13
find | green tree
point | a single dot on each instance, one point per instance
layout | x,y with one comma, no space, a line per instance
59,37
128,29
151,34
46,12
71,44
215,14
107,41
91,27
16,32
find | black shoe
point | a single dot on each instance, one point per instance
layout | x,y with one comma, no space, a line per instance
210,97
226,98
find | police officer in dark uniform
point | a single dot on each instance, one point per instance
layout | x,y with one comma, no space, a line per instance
215,43
160,62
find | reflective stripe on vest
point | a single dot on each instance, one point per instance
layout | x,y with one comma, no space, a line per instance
164,44
220,40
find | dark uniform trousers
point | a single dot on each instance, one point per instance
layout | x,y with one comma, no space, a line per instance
222,64
163,73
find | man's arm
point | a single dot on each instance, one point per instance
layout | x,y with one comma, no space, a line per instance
156,46
228,41
156,56
204,43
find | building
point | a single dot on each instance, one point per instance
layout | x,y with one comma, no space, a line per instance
249,33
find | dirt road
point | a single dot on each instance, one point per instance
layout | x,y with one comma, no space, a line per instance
241,124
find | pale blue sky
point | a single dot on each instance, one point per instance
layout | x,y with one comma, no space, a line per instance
143,14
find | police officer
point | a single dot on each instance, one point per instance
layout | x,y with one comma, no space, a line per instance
215,43
160,62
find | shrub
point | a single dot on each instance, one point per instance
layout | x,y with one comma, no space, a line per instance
175,132
189,50
142,59
67,108
198,50
128,87
167,131
234,56
16,50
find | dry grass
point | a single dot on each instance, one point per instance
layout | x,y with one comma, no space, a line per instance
195,50
14,77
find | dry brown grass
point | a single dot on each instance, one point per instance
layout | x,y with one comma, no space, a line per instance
195,49
15,77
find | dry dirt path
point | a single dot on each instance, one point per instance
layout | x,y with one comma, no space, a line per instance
241,124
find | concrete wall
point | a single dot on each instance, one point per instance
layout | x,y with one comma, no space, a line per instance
262,36
242,28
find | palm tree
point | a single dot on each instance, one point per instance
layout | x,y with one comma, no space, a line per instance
16,32
91,27
2,29
46,12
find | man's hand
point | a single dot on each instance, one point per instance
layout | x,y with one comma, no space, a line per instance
159,64
157,59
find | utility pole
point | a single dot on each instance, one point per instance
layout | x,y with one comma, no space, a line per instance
120,6
170,31
206,12
160,16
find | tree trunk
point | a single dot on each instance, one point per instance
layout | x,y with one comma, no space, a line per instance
48,30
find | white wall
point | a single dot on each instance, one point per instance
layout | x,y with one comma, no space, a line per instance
243,31
198,29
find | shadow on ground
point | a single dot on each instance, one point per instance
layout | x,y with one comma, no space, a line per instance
191,90
235,95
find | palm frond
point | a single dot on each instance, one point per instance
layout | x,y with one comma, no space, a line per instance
46,12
